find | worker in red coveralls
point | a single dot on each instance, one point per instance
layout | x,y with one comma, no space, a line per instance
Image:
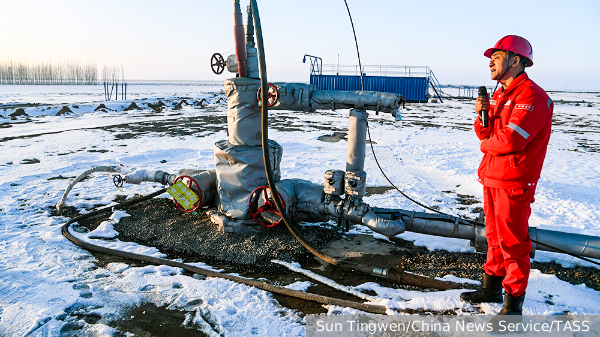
514,146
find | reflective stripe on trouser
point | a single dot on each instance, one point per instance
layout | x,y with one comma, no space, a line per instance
507,214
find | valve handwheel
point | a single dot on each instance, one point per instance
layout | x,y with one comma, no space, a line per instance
118,180
272,95
267,206
191,181
217,63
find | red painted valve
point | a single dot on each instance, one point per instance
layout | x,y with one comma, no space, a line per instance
217,63
191,181
272,95
268,206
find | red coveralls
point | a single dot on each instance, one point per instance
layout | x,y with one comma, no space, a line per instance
520,119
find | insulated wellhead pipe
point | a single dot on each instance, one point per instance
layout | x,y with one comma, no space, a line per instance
357,140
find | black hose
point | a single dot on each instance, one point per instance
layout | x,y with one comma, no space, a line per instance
371,308
392,275
267,160
265,149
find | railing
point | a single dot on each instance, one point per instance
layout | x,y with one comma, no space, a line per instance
434,80
316,64
467,91
378,71
435,85
372,70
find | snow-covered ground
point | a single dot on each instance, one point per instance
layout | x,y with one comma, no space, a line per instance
49,287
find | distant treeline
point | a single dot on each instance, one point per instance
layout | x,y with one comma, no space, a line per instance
53,73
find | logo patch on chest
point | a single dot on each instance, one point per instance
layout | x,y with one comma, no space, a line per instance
527,107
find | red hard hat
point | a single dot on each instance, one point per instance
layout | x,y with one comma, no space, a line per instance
515,44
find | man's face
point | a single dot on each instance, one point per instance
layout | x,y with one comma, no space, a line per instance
498,64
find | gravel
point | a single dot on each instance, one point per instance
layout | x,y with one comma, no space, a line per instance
194,238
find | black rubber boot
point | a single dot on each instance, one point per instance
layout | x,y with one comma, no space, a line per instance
490,292
512,305
510,315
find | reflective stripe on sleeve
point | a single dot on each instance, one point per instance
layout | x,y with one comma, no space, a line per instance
518,130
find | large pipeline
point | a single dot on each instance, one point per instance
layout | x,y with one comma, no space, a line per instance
454,227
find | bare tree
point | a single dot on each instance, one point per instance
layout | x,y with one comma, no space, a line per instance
65,72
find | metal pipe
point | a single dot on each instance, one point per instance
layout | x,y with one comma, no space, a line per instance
389,228
249,28
580,244
440,228
206,180
251,52
455,227
357,140
243,121
239,33
207,183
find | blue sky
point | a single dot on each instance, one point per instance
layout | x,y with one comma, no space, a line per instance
155,40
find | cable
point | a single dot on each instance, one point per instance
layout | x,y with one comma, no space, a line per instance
406,196
362,84
266,156
466,220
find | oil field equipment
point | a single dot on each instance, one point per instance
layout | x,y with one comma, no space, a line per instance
245,191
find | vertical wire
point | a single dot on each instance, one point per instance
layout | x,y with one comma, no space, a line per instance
362,82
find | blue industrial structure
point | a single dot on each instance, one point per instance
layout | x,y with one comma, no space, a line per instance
411,82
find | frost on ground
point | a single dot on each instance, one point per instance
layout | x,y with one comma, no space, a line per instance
48,286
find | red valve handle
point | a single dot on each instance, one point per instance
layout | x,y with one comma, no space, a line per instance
217,63
191,181
272,95
268,206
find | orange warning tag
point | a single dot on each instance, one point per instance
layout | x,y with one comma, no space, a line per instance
183,194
